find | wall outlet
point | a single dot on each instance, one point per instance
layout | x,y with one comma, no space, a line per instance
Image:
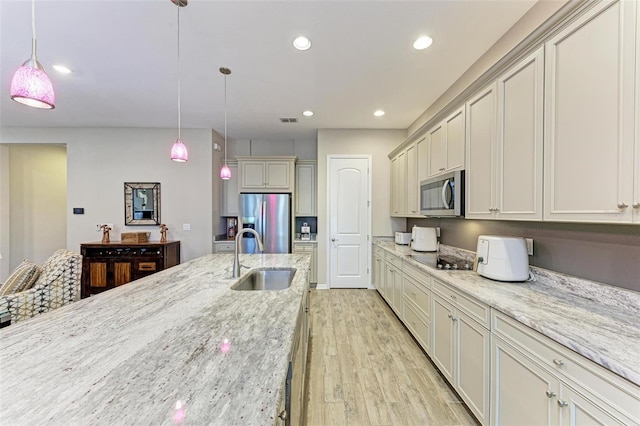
98,229
529,246
438,232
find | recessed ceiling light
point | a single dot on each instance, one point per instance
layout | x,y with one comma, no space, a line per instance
307,113
62,69
422,43
302,43
379,113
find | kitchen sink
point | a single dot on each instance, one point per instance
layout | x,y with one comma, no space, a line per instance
266,279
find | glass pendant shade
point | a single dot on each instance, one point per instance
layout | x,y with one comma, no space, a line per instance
31,86
225,172
179,152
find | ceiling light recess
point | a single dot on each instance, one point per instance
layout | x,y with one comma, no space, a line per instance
302,43
379,113
422,42
307,113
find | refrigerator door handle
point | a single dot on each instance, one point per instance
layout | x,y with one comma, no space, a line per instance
263,215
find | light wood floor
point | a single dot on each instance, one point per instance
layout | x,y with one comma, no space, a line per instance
366,369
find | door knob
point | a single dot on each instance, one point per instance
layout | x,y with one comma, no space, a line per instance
333,239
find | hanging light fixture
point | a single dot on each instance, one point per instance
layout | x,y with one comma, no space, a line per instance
179,151
30,84
225,172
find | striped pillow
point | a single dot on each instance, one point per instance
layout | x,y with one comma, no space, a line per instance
22,278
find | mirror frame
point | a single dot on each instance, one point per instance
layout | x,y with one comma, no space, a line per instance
129,188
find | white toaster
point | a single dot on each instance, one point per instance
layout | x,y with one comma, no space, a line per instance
502,258
403,238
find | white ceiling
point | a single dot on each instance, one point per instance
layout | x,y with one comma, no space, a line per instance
124,56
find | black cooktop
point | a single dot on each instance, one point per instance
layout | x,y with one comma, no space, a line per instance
449,263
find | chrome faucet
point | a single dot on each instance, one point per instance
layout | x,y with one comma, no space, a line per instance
236,262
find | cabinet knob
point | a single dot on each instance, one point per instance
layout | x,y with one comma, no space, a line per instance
450,316
622,205
442,169
562,403
636,205
550,394
453,296
283,415
558,362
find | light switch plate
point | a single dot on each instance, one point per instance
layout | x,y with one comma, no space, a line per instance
186,227
529,246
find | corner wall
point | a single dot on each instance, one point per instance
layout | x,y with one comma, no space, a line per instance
377,143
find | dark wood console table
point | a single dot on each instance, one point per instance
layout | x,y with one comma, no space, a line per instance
106,266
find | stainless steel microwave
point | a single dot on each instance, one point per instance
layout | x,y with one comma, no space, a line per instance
443,195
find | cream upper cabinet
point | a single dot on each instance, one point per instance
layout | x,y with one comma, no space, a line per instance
422,147
589,140
263,174
398,184
447,144
504,166
412,190
480,147
306,188
230,194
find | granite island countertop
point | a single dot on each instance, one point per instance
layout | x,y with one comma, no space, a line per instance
128,355
597,321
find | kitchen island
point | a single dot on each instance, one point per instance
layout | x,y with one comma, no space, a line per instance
176,346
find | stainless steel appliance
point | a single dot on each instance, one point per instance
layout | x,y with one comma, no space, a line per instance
502,258
443,195
270,216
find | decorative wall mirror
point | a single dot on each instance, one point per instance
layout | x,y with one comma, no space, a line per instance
141,203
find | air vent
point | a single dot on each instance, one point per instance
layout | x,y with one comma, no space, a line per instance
288,120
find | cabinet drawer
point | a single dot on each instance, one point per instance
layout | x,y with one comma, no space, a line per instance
593,379
394,260
418,294
476,310
225,247
420,276
418,325
302,248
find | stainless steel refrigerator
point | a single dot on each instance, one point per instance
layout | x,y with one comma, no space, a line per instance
270,216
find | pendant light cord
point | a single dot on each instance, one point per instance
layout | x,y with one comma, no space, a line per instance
225,119
179,138
33,31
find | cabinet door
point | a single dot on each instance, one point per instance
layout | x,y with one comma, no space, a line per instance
443,337
395,209
455,141
379,275
422,147
306,189
253,174
437,163
473,364
230,193
519,146
314,267
576,410
522,392
481,137
397,292
389,279
277,174
412,191
589,117
398,183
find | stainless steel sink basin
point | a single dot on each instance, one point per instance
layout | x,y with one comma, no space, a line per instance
266,279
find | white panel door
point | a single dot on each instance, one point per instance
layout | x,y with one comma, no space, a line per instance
349,222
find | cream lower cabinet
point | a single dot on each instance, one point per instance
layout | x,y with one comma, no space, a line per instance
416,298
393,283
536,381
591,158
460,346
312,250
377,275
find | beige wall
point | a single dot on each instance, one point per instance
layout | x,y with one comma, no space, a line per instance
4,213
37,202
377,143
100,160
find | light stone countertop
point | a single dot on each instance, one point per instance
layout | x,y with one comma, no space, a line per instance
128,355
598,321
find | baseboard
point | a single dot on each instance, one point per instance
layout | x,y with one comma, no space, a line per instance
322,287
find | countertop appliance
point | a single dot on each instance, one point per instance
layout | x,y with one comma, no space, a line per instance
270,216
305,232
403,238
424,239
443,195
502,258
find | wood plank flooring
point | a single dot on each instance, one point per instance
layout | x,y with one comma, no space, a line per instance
366,369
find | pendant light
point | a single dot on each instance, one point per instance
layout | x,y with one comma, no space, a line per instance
179,151
225,171
30,84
